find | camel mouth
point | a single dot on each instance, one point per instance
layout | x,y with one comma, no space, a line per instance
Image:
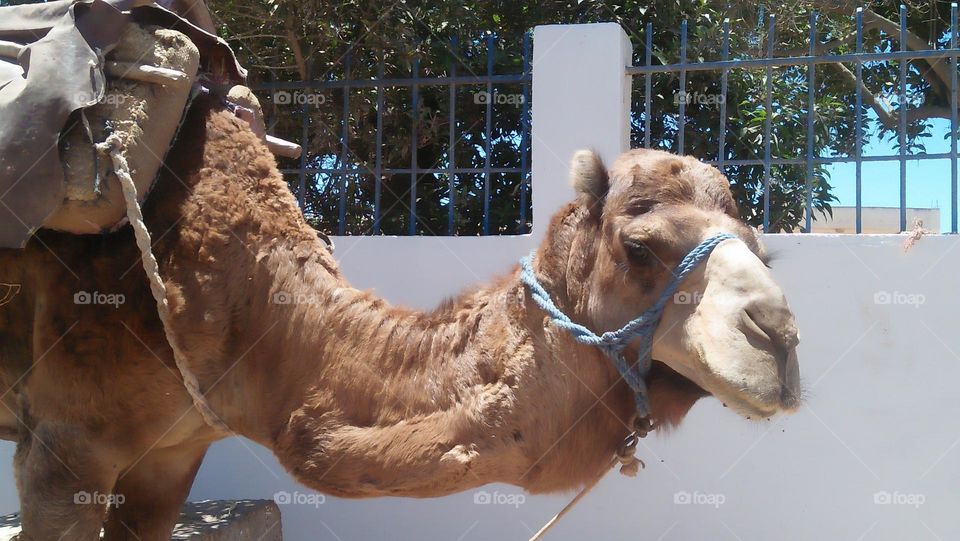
671,394
768,400
661,372
753,404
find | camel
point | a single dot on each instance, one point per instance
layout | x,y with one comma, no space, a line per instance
358,398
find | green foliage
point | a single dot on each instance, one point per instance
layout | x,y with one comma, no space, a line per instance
402,32
292,40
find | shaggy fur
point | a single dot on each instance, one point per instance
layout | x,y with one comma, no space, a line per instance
357,398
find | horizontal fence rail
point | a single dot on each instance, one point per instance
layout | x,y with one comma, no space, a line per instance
859,57
785,61
346,167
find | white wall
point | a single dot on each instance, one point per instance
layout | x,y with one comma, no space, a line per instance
879,378
880,415
880,410
883,220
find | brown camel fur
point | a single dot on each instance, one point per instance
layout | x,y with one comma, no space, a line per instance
355,397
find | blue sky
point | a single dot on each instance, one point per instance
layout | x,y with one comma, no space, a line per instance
928,181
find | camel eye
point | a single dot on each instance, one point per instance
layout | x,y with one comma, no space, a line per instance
638,252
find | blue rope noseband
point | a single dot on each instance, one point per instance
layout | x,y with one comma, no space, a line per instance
614,343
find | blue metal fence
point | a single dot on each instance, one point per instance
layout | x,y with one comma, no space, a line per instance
344,169
859,57
452,80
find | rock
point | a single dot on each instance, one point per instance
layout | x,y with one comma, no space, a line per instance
209,520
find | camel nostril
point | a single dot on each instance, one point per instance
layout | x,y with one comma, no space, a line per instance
775,324
790,382
755,326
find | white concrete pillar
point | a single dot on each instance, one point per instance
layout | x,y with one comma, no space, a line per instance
581,99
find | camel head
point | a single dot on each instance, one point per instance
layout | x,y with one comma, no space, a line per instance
728,330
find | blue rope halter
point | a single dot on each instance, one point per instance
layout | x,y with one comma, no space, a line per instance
613,343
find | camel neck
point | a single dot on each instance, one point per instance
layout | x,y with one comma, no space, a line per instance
368,399
354,396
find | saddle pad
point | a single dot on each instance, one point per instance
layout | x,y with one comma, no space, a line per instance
59,72
144,116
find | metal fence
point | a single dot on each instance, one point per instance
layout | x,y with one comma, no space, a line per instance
341,169
811,60
345,167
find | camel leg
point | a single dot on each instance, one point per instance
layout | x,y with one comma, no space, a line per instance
64,481
152,492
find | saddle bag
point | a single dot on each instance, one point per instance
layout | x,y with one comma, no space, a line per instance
119,69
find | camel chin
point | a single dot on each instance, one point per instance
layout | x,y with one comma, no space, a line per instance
751,394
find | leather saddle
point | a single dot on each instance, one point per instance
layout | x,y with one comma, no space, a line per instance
72,73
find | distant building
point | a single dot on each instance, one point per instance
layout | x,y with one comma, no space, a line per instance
875,220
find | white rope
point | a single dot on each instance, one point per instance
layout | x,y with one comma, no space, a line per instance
122,170
630,465
576,499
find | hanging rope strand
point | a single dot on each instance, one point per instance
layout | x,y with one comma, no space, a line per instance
113,147
576,499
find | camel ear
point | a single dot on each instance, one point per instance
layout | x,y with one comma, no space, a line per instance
588,175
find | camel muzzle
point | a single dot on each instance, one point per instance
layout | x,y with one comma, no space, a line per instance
614,343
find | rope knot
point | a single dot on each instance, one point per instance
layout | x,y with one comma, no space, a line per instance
632,467
109,144
626,455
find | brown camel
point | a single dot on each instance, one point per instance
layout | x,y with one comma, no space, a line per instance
355,397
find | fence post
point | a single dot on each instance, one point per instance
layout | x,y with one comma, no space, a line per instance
581,99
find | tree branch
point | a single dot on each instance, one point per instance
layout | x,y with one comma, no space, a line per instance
914,43
294,42
819,48
884,110
874,21
936,75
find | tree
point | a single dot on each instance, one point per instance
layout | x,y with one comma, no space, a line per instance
293,40
309,39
